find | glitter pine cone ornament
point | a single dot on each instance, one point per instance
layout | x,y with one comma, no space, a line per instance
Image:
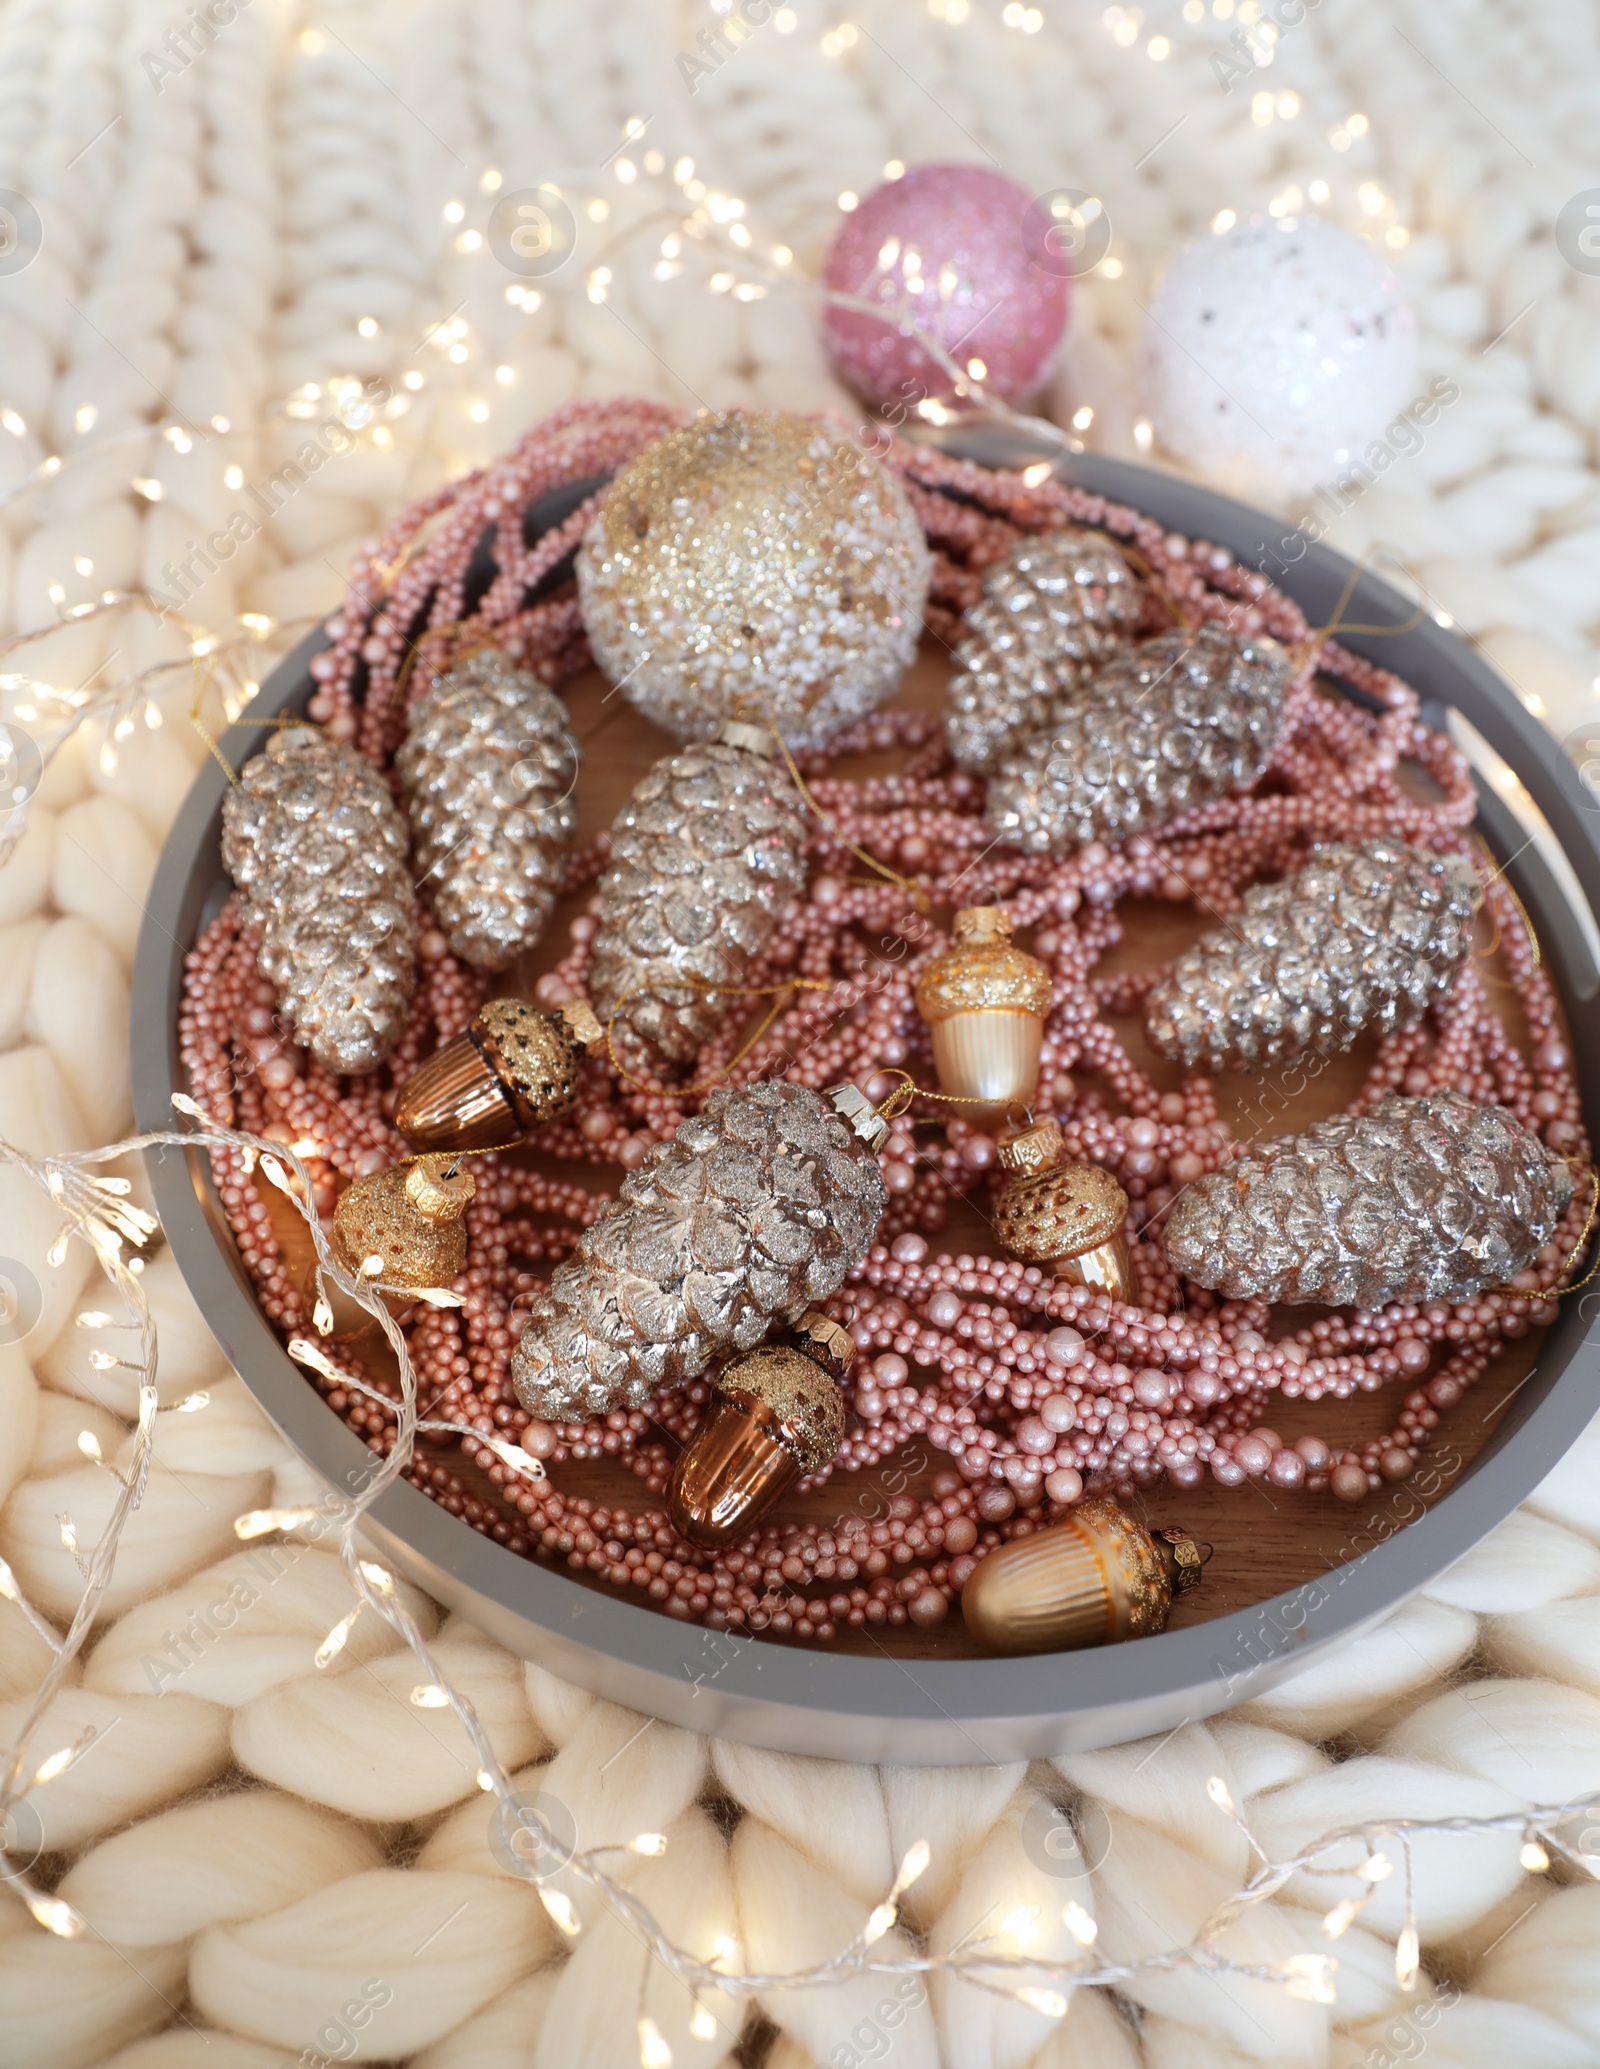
756,1209
985,1003
313,842
1174,722
1363,939
489,766
775,1415
1072,1217
1057,605
754,563
1097,1578
1435,1198
707,857
403,1227
512,1070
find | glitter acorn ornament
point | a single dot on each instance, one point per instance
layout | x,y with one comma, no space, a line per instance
957,252
1071,1216
1363,939
313,842
757,562
707,857
489,766
1057,604
1176,721
1435,1199
776,1415
403,1227
1095,1579
1274,353
985,1003
757,1208
512,1070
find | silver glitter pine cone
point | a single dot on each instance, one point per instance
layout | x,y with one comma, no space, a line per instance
313,842
1174,722
758,563
706,858
1363,939
1422,1199
488,766
757,1208
1055,606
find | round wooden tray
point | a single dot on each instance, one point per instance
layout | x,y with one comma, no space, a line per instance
1289,1578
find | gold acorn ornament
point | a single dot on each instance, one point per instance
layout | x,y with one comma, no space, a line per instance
775,1416
1096,1578
403,1228
512,1070
1071,1216
985,1003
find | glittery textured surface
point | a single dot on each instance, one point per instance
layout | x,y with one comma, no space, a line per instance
982,972
1422,1199
757,560
1174,722
1363,939
534,1054
1044,1215
489,767
706,857
757,1207
806,1401
943,248
1055,606
387,1216
311,838
1275,353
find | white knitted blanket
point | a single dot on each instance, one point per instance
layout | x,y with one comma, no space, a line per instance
279,1864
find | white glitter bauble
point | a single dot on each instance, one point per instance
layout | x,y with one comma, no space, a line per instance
755,565
1275,354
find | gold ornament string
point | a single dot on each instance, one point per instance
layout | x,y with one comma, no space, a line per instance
900,1099
1558,1291
1318,636
414,650
881,869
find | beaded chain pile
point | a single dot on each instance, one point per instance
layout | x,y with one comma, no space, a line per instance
1036,1389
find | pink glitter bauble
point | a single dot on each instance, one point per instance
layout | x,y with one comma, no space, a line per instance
944,248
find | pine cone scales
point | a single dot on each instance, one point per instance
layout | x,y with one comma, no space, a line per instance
1057,604
488,767
1365,937
758,1207
311,838
706,857
1422,1199
1174,722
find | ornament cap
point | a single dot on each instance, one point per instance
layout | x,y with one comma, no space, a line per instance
748,738
440,1187
982,923
818,1337
1034,1148
581,1021
855,1107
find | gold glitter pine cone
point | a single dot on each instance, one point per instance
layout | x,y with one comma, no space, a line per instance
407,1223
1363,939
1176,721
1096,1578
488,766
1057,604
754,562
707,858
318,853
1432,1198
985,1003
514,1069
758,1207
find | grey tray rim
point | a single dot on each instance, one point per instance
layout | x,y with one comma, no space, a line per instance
957,1712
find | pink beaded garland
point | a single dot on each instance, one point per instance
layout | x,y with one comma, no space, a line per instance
943,248
1034,1388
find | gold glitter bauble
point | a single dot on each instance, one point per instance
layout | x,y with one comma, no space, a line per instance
757,564
403,1227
